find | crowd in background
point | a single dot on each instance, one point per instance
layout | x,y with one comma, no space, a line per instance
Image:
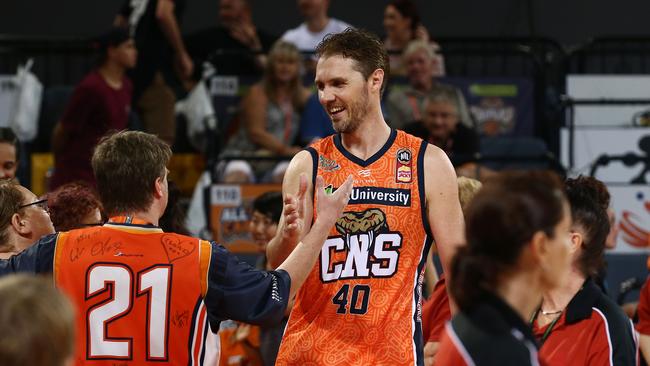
540,246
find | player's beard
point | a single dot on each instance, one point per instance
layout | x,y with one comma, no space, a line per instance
357,111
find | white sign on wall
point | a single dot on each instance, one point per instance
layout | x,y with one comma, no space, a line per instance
607,87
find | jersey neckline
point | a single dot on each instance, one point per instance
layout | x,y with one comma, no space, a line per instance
364,163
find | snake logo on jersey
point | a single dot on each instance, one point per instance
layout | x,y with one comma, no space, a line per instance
367,245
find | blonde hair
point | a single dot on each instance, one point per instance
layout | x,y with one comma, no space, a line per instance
282,50
36,322
417,45
467,189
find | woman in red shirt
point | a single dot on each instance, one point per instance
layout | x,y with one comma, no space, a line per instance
576,323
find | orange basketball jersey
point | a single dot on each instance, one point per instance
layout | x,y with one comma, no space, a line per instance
361,302
135,309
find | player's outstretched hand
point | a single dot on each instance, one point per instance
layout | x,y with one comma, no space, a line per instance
294,213
330,205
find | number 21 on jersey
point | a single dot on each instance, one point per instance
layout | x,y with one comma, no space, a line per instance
152,285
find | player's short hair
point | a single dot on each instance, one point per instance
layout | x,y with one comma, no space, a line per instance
126,165
10,200
37,322
361,46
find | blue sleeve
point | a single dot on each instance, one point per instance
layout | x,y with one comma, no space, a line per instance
314,121
240,292
36,259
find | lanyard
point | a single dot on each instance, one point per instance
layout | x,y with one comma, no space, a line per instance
128,220
548,329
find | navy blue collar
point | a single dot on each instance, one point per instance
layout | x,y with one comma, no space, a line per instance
364,163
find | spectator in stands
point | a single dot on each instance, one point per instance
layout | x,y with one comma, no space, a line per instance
36,323
74,205
154,25
9,153
441,126
435,310
576,324
234,47
518,247
100,103
405,105
315,123
270,114
316,26
23,218
402,25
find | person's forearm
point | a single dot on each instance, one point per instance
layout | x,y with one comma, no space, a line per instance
302,259
169,26
278,250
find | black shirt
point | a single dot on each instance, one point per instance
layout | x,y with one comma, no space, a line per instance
154,51
225,53
462,146
490,333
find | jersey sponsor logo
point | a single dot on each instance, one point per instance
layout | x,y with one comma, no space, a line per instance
404,171
328,165
365,173
381,196
371,249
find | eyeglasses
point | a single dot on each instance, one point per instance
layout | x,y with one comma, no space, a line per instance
42,204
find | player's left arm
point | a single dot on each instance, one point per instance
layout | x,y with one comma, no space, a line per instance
443,207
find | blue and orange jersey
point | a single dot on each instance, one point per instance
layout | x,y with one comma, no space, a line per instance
361,304
145,297
162,292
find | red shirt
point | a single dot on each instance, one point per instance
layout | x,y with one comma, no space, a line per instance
436,312
643,310
94,109
592,331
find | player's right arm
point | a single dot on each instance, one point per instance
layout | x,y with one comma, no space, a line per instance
288,236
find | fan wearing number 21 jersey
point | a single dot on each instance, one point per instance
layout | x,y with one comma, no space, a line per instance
128,274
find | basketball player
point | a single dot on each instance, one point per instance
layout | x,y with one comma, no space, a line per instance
361,302
146,297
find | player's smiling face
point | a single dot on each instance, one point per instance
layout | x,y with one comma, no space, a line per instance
342,91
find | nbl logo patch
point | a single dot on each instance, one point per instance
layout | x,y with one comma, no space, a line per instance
404,170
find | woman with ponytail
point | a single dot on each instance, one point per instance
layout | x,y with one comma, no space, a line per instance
517,230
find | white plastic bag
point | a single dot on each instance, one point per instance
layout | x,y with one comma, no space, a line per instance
199,112
23,118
